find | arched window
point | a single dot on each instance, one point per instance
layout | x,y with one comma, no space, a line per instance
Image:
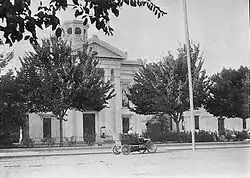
69,31
78,30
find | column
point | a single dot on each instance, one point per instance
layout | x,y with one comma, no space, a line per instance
79,125
74,124
107,74
108,113
26,127
97,124
117,105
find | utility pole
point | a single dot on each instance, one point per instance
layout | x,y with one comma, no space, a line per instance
189,74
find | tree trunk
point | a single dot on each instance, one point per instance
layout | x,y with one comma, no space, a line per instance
244,123
61,131
177,127
221,125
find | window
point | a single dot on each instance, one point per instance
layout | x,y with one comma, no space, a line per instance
69,31
125,124
46,127
221,126
125,101
78,30
244,123
112,74
196,122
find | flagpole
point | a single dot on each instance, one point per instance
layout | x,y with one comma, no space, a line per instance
189,74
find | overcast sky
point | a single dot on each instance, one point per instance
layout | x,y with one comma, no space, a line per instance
220,26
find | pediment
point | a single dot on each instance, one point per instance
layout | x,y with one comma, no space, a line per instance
106,50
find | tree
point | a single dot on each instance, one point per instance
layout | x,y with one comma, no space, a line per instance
229,94
20,19
12,108
162,88
157,126
54,80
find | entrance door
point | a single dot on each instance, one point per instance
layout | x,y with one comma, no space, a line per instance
46,127
89,127
125,125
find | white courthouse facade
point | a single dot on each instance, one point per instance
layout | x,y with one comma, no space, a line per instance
206,121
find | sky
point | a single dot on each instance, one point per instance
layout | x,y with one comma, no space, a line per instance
220,26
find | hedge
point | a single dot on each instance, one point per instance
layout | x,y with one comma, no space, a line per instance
184,137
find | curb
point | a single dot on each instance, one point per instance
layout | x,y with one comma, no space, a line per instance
109,146
55,149
162,148
55,154
199,147
203,143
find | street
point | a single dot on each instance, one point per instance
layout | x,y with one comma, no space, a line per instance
226,162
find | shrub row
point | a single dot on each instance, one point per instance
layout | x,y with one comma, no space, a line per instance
170,136
200,136
236,135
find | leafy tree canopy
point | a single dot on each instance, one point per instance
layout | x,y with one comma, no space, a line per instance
19,18
56,79
162,88
229,93
12,108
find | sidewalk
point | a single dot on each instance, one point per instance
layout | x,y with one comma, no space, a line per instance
107,149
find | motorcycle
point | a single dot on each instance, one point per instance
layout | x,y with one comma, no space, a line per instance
133,143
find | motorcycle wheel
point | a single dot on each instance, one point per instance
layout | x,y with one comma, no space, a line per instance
151,147
116,150
125,149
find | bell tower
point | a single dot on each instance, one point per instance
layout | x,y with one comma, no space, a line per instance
76,32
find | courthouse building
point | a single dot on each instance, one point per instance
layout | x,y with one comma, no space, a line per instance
108,122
